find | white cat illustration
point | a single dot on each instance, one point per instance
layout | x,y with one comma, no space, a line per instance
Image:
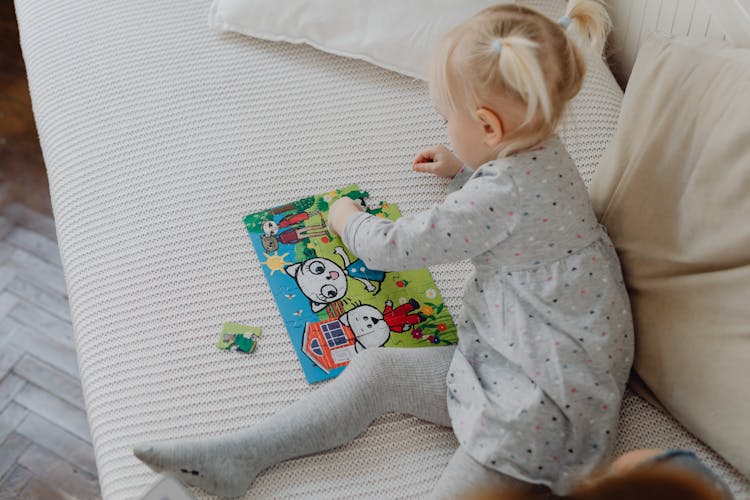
320,279
324,282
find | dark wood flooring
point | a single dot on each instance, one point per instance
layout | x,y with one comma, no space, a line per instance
22,175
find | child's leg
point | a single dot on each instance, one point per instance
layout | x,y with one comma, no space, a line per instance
464,475
375,382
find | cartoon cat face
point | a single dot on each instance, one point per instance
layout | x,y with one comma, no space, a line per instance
368,325
270,228
321,280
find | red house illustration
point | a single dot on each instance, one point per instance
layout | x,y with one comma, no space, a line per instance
329,344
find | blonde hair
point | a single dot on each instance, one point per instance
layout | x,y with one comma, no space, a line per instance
518,53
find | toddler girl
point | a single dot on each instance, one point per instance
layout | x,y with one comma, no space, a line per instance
533,389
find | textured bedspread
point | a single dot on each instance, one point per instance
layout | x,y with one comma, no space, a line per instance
159,136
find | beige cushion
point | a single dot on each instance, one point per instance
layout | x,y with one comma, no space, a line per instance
673,190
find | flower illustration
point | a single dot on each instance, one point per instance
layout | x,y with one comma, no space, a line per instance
441,327
431,293
403,300
417,333
427,310
400,284
431,339
435,340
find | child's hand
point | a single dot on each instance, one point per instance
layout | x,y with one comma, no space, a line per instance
340,212
438,160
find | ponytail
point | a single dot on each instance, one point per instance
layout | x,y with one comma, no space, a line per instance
520,70
518,53
589,24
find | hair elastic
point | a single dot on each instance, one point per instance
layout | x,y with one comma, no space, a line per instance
564,21
497,45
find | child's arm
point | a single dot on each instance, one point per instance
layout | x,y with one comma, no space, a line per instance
469,222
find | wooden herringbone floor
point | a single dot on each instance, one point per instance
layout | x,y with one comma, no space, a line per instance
45,446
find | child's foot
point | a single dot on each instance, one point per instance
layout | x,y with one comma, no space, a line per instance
205,464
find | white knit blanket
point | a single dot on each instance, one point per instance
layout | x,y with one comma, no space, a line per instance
159,136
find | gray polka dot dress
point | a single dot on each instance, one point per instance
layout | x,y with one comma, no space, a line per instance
545,332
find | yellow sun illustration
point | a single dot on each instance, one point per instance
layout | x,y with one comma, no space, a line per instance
275,262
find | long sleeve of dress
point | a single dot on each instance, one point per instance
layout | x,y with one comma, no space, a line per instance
473,218
460,178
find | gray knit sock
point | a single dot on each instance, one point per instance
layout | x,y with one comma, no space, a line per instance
375,382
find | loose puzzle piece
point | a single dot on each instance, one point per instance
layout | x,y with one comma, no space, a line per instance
238,337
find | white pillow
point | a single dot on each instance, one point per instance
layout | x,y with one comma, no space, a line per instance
395,34
399,35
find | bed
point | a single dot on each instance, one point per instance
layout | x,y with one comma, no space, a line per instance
159,135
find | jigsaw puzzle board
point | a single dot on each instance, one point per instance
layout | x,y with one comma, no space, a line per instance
332,305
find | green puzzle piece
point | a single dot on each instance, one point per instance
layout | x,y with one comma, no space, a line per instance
245,344
242,337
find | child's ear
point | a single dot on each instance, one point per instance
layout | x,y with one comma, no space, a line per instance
492,127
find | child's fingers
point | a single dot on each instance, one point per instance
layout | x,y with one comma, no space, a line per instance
425,156
427,167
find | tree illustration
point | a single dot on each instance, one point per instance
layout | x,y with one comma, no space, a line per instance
253,221
304,204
